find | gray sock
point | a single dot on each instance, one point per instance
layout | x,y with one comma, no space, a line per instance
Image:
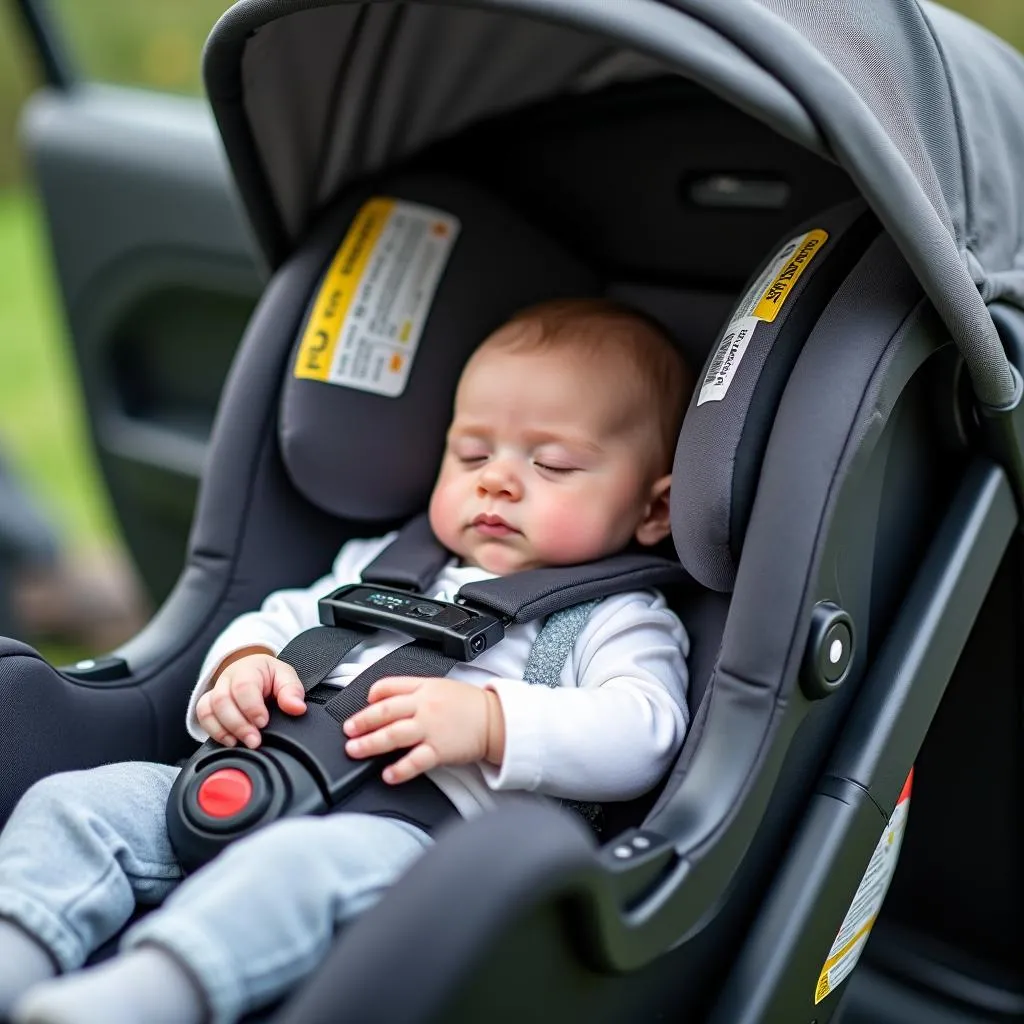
23,963
144,984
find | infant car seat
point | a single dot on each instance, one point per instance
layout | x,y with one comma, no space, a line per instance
836,500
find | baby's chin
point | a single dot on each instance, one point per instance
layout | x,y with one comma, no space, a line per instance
501,559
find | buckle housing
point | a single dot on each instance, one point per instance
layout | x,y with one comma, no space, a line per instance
460,632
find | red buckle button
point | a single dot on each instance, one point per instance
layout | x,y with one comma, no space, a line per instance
224,793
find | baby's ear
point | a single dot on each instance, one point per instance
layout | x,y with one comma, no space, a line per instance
656,523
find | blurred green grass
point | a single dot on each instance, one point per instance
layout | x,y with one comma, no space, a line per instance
42,425
43,431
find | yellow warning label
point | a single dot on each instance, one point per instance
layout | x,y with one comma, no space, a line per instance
777,292
761,304
867,901
373,305
316,352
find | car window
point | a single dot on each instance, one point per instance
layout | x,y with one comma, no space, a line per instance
156,44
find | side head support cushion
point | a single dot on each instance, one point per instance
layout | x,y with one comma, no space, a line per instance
417,271
726,429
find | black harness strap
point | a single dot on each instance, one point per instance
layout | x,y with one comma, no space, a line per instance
316,652
411,560
407,660
536,593
411,563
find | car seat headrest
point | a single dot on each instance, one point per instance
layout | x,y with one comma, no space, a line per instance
417,271
726,428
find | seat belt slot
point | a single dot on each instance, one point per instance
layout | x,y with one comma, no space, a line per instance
458,631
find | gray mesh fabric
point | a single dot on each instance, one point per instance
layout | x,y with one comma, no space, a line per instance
366,456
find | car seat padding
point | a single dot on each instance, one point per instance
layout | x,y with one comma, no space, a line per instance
722,441
370,457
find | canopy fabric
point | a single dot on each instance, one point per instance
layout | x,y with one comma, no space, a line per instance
917,104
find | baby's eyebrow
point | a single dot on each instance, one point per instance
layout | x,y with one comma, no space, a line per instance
457,430
541,437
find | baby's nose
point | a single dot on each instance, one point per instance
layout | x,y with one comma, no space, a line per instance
498,477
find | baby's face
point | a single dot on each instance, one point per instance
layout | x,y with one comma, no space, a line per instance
549,461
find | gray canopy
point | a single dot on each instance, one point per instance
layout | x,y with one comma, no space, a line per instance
919,106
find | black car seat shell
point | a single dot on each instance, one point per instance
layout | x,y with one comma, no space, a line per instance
842,470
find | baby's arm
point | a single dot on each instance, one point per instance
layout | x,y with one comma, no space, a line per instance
613,735
440,720
283,615
609,737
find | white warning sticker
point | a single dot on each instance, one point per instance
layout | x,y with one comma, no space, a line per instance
375,298
763,300
726,359
867,900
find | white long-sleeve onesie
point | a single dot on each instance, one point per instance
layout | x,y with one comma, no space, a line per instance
608,732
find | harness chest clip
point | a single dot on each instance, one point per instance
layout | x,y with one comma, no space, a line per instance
457,630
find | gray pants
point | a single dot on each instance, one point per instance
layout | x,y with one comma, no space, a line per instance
82,848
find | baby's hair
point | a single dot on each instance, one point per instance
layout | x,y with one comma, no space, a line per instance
599,323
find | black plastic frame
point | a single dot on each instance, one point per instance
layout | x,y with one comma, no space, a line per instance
880,740
58,68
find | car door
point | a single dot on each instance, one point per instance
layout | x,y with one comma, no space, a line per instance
155,266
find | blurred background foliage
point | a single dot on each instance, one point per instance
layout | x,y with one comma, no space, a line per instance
151,44
154,45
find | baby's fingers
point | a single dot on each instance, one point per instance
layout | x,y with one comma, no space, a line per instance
406,732
376,715
288,690
420,759
230,718
247,694
209,722
391,686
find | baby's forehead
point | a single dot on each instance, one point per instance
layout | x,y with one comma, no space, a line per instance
597,342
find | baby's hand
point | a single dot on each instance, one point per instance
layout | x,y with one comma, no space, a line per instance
235,708
444,721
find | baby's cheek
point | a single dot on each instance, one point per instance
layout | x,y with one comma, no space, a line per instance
574,532
442,513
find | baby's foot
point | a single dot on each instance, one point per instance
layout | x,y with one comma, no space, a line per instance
143,985
23,963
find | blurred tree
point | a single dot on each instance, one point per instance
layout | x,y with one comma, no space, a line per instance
152,45
155,45
18,76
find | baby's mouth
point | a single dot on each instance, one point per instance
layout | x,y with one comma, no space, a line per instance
492,526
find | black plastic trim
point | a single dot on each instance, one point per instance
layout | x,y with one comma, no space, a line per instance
58,68
899,697
775,975
107,668
918,961
1003,428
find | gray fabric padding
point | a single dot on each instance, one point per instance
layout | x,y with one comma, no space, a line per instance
917,106
705,486
841,391
528,595
838,391
365,456
692,318
333,91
